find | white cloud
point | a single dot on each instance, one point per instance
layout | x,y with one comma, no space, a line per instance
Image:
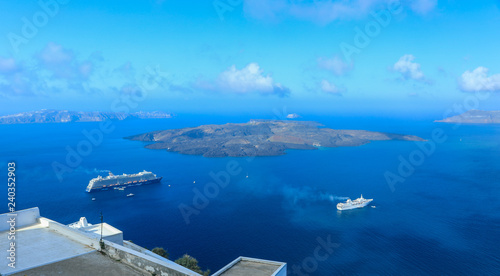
264,9
7,65
408,68
423,6
55,54
478,81
335,65
16,79
62,63
330,88
326,11
249,79
56,69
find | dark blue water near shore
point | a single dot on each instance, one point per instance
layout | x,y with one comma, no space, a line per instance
443,220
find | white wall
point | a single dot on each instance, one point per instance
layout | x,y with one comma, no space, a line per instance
22,218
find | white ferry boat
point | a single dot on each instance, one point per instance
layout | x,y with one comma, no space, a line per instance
352,204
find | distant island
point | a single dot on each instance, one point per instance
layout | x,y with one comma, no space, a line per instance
474,117
65,116
259,138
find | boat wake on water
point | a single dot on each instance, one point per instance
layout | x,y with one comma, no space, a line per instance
91,171
307,194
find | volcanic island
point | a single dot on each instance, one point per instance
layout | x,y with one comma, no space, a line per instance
259,138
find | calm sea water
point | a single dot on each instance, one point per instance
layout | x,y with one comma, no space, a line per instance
443,219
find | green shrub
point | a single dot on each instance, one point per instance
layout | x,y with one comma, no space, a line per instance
160,251
192,264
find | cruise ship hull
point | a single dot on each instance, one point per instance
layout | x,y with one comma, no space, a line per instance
138,183
354,204
349,207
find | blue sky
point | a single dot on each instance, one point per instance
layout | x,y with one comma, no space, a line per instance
330,57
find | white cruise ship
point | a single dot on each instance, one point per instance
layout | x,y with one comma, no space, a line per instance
352,204
115,181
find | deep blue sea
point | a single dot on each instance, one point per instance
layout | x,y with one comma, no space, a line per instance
444,219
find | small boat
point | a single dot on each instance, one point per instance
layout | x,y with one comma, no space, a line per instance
194,182
374,206
131,194
93,198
